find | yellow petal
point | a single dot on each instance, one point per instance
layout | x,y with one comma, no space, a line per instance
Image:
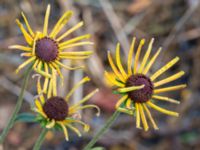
74,40
46,20
171,88
129,89
137,116
163,98
75,45
61,22
74,28
27,25
20,47
150,117
114,68
130,57
25,63
27,37
51,124
164,68
152,60
119,65
146,56
144,121
169,79
113,80
64,130
120,101
84,80
74,129
162,110
137,55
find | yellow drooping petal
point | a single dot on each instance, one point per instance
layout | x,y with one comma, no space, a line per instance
75,109
54,82
80,53
118,61
25,63
27,37
114,68
120,101
137,55
74,40
74,57
124,110
129,103
77,85
40,112
60,24
171,88
56,67
68,32
171,113
38,105
51,124
137,116
75,45
163,98
130,57
46,80
34,43
46,20
27,25
144,121
86,98
113,80
146,56
67,67
64,130
43,73
49,91
164,68
129,89
37,61
39,91
74,129
20,47
146,69
26,54
169,79
150,117
86,126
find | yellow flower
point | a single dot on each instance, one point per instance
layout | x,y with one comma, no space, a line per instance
56,112
139,89
45,50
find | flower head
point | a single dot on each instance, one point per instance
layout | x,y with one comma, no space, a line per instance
140,90
55,112
46,50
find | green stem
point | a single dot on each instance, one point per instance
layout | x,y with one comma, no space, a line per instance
102,131
40,139
17,107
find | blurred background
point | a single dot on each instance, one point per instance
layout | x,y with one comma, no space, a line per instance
175,25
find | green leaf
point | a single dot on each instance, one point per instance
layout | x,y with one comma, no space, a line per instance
98,148
26,117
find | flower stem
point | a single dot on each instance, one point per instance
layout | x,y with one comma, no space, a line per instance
102,131
17,107
40,139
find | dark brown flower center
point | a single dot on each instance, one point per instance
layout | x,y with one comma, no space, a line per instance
46,49
56,108
144,94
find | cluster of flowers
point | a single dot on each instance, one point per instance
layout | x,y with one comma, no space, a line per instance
139,90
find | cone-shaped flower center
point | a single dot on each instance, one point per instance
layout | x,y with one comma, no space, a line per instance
46,49
56,108
144,94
